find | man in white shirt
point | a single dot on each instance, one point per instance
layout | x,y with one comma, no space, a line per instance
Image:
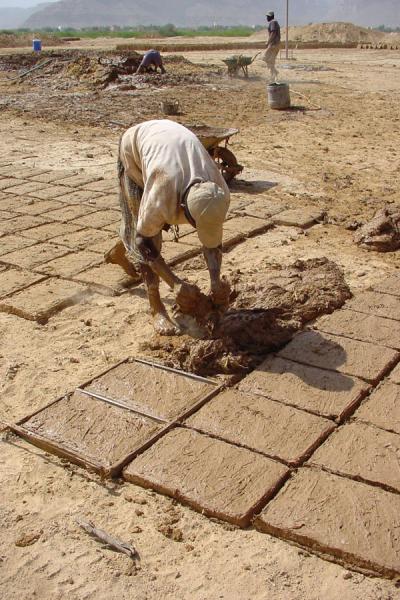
273,45
168,178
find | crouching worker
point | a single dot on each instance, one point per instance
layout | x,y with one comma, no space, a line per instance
168,178
151,61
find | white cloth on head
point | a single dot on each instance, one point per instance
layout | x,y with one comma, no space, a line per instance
165,159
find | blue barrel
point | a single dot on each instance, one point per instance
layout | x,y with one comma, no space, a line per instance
37,45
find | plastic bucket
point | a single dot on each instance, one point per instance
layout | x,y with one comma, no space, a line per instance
37,45
278,96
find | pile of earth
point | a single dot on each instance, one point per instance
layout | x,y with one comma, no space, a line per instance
265,312
12,40
331,33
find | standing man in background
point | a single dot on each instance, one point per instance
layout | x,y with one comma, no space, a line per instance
273,45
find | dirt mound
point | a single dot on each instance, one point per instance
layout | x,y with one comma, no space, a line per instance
11,40
331,33
265,313
382,233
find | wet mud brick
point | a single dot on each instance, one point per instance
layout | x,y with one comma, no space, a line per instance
96,432
364,453
14,204
351,357
20,223
246,225
351,522
70,265
50,192
53,176
33,256
298,217
173,252
39,207
69,213
9,243
262,208
48,231
375,303
79,196
104,185
76,237
8,182
42,300
106,279
391,285
107,202
382,408
319,391
27,188
277,430
13,280
99,219
154,391
78,180
213,477
367,328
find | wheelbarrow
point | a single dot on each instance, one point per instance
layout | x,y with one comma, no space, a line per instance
239,62
211,138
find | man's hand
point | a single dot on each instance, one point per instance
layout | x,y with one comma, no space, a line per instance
220,293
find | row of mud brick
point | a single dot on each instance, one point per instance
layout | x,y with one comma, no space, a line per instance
306,447
55,227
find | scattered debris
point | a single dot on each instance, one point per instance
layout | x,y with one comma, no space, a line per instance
107,539
28,539
382,233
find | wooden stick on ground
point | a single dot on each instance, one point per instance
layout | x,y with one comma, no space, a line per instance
107,539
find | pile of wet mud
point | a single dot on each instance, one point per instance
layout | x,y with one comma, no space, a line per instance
382,233
265,312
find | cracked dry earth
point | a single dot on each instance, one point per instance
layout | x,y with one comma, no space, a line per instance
66,317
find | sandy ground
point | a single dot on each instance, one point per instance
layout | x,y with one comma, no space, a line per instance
342,158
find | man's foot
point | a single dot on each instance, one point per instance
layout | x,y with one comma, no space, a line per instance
164,326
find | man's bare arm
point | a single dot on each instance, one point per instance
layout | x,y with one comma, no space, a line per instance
155,261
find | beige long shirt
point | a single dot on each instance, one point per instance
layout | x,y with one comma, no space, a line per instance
165,159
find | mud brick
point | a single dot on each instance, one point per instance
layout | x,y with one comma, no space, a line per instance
355,523
104,245
39,207
299,217
13,280
191,239
107,279
367,328
9,182
4,215
395,374
96,431
213,477
99,219
53,176
27,173
42,300
81,238
33,256
50,192
107,202
45,232
367,361
8,243
374,303
322,392
69,213
173,252
151,390
364,453
391,285
103,185
14,204
382,408
262,208
70,265
79,196
26,188
113,228
263,425
246,225
78,180
19,223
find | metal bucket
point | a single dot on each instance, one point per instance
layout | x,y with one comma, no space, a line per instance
37,45
278,96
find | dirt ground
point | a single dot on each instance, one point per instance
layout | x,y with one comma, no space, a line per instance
336,150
